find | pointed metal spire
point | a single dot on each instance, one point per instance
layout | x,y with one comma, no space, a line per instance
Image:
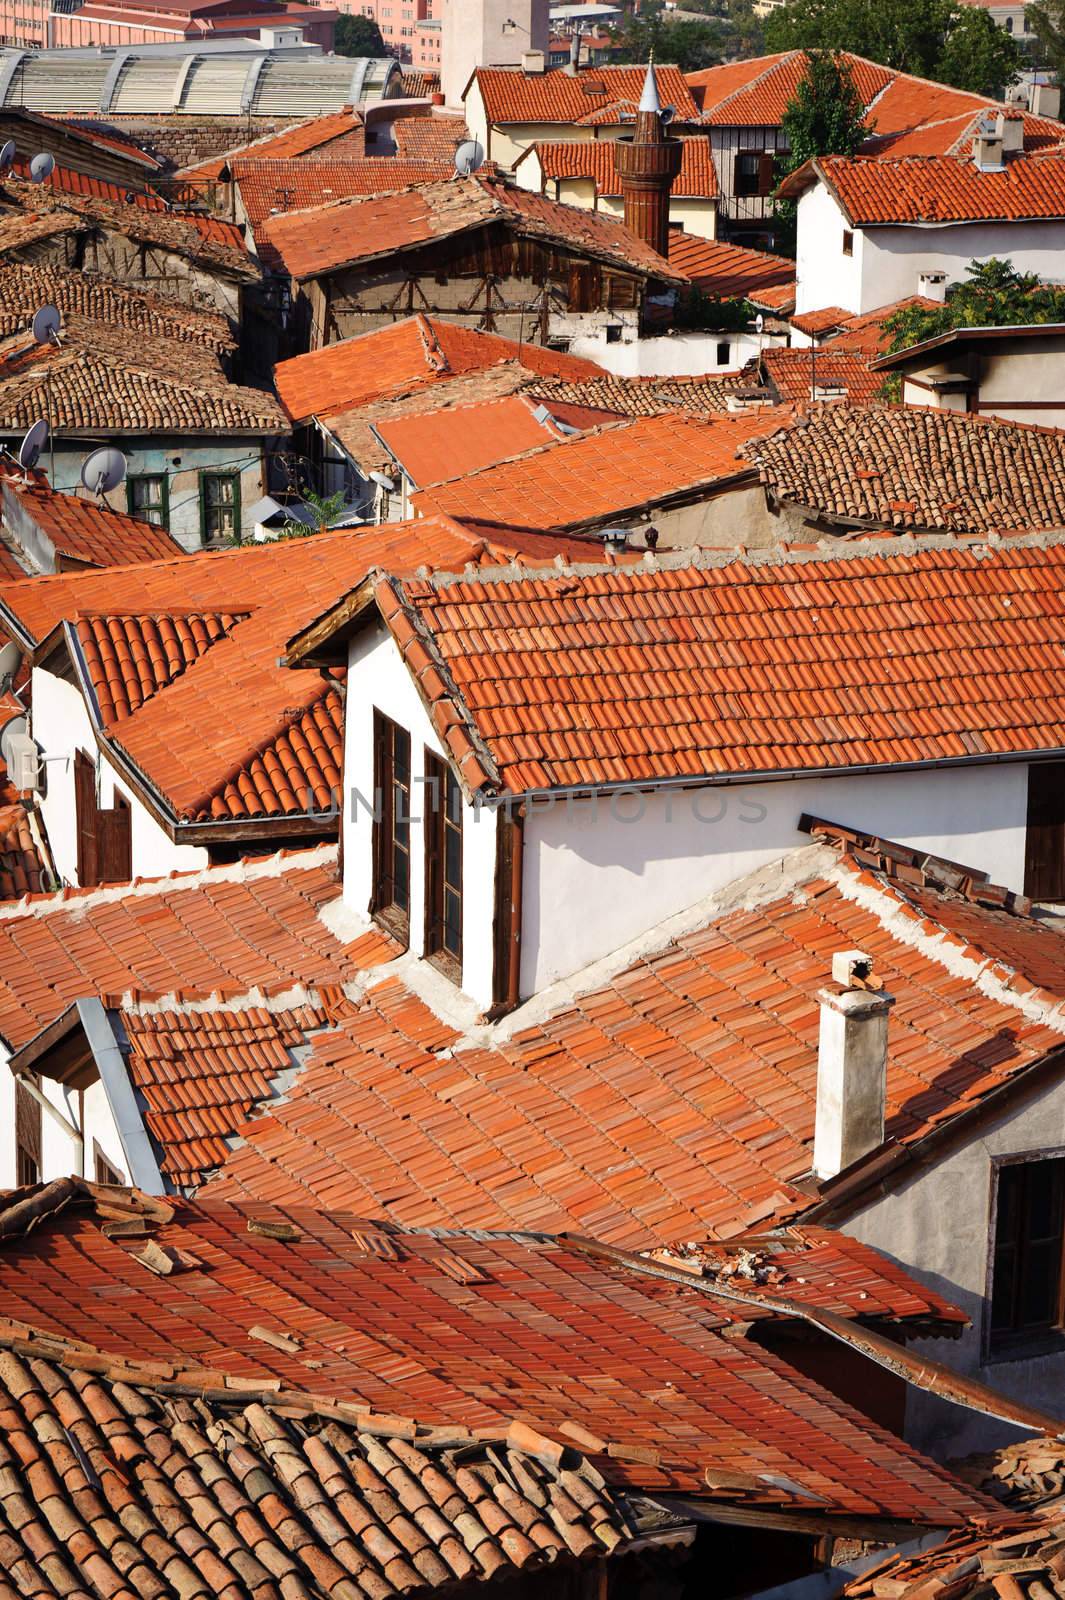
649,100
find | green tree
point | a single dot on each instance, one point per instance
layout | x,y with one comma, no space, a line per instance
358,36
689,44
931,38
1046,18
824,117
995,295
324,509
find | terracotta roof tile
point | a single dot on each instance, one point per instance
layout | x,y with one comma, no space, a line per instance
20,229
778,299
643,397
349,231
434,138
800,375
676,1100
22,870
926,635
393,361
129,658
420,85
866,331
521,1337
256,925
595,159
25,286
314,133
889,189
727,270
434,445
905,467
759,98
617,468
81,531
558,96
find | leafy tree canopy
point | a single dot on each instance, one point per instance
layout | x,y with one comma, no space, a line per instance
995,295
825,116
1046,19
358,36
690,43
939,39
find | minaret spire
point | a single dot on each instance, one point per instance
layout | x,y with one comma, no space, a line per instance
647,164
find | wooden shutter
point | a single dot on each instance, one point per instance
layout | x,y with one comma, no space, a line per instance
27,1137
1044,853
85,818
114,842
766,172
506,970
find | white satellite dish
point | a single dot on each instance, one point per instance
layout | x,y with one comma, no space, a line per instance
468,157
46,325
29,450
104,470
16,728
10,661
42,166
759,323
7,155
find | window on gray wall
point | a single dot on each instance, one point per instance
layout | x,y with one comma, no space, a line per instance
1026,1313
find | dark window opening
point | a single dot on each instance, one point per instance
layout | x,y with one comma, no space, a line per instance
1026,1269
219,506
105,1171
391,883
724,350
105,837
27,1137
443,867
848,242
754,173
148,499
1044,840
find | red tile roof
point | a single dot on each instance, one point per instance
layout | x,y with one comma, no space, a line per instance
130,658
393,361
889,190
778,299
756,93
795,377
728,270
311,134
865,332
82,531
594,159
253,927
434,445
351,231
1027,1550
829,319
906,467
21,866
676,1099
461,1331
614,469
558,96
434,138
715,676
81,297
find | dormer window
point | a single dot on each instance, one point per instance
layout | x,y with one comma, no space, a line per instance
443,867
391,834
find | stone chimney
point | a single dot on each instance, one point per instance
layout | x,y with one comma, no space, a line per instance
647,164
851,1064
988,151
1010,126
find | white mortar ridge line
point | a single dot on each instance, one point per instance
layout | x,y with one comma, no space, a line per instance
904,923
76,902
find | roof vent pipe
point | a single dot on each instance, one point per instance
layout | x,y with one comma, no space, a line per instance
851,1064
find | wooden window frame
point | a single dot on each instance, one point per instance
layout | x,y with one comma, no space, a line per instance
29,1138
1044,832
163,481
1025,1343
848,241
441,785
86,811
104,1169
391,830
205,477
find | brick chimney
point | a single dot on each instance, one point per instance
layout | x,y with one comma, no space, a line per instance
851,1064
647,165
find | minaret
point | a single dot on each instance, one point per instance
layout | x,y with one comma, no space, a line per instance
647,164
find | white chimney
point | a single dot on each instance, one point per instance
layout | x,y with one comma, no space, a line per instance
1045,100
534,62
851,1064
987,145
1011,131
932,285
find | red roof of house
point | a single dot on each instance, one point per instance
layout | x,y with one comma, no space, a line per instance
889,190
652,1379
863,332
366,229
733,665
433,445
559,96
675,1098
432,138
594,159
392,361
86,531
727,270
21,866
800,375
756,93
311,134
617,468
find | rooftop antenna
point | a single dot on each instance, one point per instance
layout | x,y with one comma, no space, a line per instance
42,166
469,157
7,155
34,441
46,325
103,470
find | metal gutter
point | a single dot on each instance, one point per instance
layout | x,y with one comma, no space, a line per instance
143,1168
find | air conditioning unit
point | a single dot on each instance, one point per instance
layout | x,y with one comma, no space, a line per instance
23,762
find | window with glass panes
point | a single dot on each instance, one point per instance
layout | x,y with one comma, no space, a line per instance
220,505
147,498
391,847
443,866
1026,1269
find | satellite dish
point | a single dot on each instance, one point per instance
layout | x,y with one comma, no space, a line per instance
666,115
759,323
46,325
7,155
468,157
30,449
16,728
10,661
104,470
42,166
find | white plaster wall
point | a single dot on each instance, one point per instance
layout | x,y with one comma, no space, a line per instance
59,1154
598,874
670,355
938,1227
893,258
60,724
379,680
824,275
